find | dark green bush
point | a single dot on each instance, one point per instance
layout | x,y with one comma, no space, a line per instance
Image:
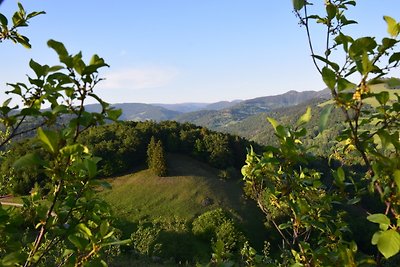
216,226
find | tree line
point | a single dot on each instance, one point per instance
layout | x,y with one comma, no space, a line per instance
124,146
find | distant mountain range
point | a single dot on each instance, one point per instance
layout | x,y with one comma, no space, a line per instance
217,119
213,115
192,107
247,118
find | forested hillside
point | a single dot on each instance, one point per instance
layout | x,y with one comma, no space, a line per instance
212,115
122,147
237,113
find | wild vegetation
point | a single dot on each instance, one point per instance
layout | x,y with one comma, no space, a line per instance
67,224
336,209
315,216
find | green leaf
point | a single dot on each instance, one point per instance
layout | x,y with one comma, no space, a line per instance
78,63
18,20
84,229
78,241
28,160
353,3
283,226
353,201
341,174
394,57
55,68
273,122
59,48
381,219
389,243
37,68
104,228
331,10
361,45
323,119
344,84
330,63
306,117
367,65
91,167
3,20
34,14
72,149
23,40
375,238
12,259
60,109
387,43
382,97
329,77
97,62
396,175
344,40
21,9
114,114
392,27
298,4
7,102
386,138
281,131
49,138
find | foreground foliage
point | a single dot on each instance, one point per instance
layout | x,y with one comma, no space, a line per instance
307,208
67,224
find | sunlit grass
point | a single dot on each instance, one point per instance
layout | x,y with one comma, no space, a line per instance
144,196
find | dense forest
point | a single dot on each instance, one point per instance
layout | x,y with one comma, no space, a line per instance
123,146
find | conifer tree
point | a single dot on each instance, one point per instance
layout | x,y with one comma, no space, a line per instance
156,158
150,151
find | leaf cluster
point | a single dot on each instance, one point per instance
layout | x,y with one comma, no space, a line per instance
306,211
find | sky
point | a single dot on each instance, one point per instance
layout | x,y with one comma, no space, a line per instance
175,51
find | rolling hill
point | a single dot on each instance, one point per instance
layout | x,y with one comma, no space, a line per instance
192,107
191,189
234,114
139,112
257,128
211,115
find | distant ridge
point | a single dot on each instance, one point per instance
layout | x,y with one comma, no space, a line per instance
193,107
140,112
212,115
247,108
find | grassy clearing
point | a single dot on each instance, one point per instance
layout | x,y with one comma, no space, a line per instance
144,196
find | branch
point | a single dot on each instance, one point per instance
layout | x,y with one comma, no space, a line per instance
306,24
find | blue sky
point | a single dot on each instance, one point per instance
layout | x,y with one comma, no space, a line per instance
173,51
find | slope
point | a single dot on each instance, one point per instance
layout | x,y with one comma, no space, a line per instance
139,111
223,118
191,189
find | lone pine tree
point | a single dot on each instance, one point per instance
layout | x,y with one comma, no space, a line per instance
156,157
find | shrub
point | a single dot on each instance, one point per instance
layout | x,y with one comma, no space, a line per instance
144,240
217,227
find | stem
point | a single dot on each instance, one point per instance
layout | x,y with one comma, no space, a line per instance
43,229
306,24
273,222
